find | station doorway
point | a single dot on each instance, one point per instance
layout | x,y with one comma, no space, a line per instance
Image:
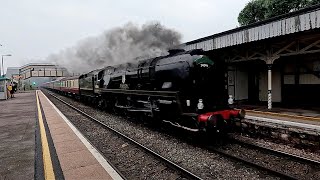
244,81
301,80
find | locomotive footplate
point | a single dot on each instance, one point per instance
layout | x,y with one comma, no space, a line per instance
142,92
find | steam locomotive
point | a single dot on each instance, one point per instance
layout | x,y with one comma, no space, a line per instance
186,89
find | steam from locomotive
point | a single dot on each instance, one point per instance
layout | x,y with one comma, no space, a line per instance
118,45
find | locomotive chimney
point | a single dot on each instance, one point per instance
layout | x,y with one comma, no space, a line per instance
175,51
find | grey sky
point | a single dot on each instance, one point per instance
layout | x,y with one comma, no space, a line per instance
33,29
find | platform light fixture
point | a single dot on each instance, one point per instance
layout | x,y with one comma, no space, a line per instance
2,63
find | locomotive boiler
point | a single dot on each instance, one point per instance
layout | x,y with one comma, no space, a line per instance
186,89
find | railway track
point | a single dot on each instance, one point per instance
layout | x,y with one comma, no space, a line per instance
283,157
281,153
252,163
185,174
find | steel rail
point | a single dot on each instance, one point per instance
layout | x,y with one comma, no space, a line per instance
171,164
252,163
281,153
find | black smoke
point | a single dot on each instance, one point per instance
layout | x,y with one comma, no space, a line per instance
118,45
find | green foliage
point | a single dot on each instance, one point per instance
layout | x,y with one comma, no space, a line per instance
314,2
258,10
253,12
278,7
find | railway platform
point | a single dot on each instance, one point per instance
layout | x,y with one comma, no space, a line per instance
295,126
308,118
38,142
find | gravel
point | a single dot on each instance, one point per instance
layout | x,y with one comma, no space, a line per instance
307,153
202,162
275,161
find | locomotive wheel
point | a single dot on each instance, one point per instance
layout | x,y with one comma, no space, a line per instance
101,104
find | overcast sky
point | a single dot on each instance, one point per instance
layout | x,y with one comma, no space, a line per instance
31,30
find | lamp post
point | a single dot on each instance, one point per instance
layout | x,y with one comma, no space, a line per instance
0,68
2,62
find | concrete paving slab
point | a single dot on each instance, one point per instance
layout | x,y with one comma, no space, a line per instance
59,131
63,137
69,146
87,173
59,126
72,161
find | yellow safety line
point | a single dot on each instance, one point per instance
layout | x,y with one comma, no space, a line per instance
47,163
285,115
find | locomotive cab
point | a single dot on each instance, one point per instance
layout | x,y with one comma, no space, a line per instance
207,97
205,90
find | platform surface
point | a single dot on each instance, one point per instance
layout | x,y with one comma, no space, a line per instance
62,153
313,112
76,161
308,116
17,136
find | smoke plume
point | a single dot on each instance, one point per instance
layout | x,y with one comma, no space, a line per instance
116,46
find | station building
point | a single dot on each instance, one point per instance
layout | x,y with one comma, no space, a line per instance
13,74
32,75
276,61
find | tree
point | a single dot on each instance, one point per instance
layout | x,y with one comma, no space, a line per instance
314,2
258,10
253,12
278,7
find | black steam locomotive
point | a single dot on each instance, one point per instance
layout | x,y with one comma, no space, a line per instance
186,89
